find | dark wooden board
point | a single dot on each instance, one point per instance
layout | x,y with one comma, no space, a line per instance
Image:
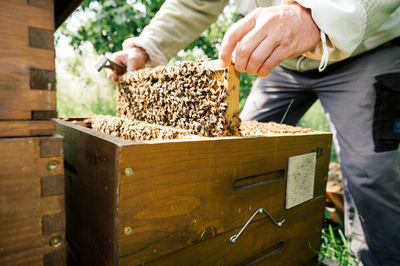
91,197
63,9
30,220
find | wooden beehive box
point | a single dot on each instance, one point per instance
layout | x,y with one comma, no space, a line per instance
27,69
27,76
179,202
32,216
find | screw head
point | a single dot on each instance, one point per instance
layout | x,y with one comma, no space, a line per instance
52,165
128,230
128,171
55,241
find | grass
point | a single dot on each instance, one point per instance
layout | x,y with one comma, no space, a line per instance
336,246
315,118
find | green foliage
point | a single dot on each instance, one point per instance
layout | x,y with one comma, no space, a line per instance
210,40
315,118
81,90
246,81
335,246
107,23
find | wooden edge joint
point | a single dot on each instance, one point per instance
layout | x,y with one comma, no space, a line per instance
51,147
53,223
52,185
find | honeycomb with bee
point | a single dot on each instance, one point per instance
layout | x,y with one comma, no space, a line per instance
188,95
185,100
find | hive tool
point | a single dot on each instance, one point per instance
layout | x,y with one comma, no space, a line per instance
104,62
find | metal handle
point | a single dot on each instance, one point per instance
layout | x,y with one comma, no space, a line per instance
260,210
107,63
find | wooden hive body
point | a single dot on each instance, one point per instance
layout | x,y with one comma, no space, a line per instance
179,201
27,69
27,76
32,217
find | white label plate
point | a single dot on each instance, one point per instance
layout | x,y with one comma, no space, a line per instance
300,179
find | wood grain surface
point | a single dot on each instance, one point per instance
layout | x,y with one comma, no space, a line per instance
91,196
262,243
21,128
24,238
232,83
17,100
180,202
180,188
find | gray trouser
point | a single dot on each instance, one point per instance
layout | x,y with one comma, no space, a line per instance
371,179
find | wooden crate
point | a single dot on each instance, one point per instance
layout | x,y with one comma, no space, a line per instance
32,216
27,76
180,201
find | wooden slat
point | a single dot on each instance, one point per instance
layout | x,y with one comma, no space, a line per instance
201,175
232,83
22,206
21,13
36,256
261,243
27,128
20,104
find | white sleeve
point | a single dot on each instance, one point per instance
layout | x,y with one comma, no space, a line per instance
348,23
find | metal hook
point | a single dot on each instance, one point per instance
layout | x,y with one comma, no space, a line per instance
260,210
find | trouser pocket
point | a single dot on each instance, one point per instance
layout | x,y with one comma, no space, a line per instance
386,125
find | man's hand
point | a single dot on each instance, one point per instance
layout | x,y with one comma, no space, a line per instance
268,36
133,58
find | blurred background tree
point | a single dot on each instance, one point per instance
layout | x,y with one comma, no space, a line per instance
100,27
107,23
